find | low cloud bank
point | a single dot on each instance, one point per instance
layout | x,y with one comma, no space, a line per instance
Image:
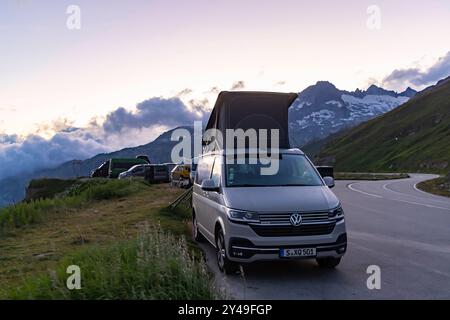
122,128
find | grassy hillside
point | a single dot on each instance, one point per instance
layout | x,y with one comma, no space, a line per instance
77,195
413,137
439,186
47,188
115,231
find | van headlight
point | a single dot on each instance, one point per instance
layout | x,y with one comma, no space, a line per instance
242,216
336,213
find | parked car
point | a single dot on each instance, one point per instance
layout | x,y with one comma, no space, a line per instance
158,173
250,217
119,165
102,171
138,170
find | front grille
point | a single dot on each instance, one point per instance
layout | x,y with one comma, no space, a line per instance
279,225
291,231
282,219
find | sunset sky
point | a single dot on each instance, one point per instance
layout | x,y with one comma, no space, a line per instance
130,51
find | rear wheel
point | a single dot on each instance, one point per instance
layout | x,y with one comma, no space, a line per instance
225,265
195,233
329,263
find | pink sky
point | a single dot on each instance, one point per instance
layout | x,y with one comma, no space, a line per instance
129,51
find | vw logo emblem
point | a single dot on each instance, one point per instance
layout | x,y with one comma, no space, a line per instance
296,219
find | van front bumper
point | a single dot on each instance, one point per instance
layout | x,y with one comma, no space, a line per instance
257,248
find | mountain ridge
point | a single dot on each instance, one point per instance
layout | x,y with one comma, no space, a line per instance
412,137
322,109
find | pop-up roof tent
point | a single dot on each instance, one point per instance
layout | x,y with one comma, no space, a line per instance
252,110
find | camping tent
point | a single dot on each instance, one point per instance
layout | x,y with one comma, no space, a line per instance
251,110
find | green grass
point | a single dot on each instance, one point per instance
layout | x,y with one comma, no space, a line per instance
128,245
439,186
105,189
411,138
156,265
26,213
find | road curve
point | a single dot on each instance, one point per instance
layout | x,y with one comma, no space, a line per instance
391,224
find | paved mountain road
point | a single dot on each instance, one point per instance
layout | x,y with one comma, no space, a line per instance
391,224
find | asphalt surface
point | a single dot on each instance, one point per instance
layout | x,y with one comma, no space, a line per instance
391,224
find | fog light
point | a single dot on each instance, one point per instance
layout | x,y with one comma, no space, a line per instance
238,253
342,249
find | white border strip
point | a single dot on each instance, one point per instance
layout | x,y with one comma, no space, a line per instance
350,186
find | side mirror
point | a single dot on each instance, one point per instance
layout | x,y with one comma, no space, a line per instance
326,171
329,181
209,185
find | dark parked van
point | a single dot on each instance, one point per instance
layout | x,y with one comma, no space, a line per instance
144,157
102,171
157,173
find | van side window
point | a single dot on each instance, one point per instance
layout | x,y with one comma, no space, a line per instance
204,169
217,171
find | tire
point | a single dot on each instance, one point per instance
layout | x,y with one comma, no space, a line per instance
225,265
195,233
328,263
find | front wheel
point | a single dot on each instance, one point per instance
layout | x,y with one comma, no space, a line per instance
225,265
329,263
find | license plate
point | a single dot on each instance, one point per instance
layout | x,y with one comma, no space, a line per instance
300,252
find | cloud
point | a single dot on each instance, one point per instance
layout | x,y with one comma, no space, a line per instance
58,125
184,92
121,128
153,112
36,152
8,138
214,90
401,78
238,85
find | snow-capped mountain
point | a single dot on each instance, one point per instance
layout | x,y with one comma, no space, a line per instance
322,109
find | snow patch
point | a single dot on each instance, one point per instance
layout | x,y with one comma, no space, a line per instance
316,117
300,105
334,102
371,105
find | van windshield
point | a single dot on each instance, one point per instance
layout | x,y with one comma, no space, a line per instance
294,170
